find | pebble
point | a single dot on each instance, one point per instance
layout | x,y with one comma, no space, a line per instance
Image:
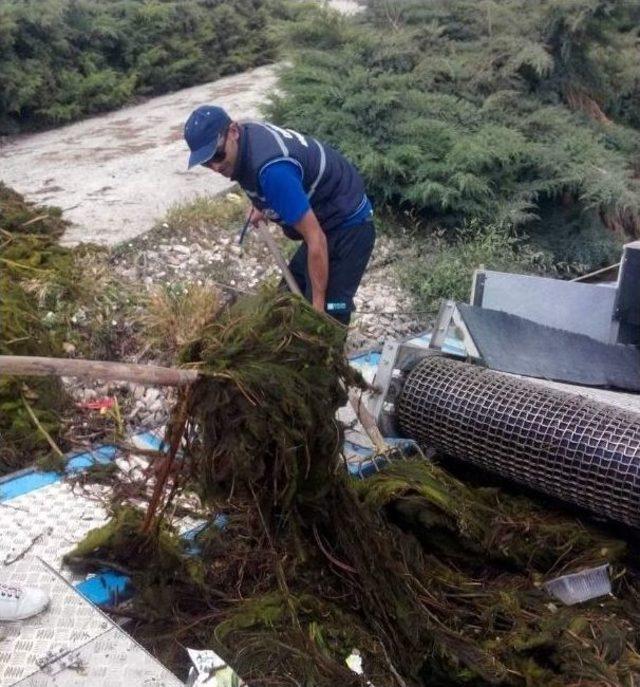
155,406
151,395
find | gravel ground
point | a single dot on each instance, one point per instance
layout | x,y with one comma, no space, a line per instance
210,254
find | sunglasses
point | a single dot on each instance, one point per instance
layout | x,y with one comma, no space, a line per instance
220,152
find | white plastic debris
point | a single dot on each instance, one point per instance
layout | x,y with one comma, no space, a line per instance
581,586
354,662
209,670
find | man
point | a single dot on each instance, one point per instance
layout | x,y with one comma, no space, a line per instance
304,185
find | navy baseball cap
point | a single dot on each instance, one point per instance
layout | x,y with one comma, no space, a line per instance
203,131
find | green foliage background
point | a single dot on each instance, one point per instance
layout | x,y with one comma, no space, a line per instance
516,114
62,59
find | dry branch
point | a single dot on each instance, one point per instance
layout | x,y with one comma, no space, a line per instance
24,365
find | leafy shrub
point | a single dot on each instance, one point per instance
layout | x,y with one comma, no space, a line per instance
514,114
62,59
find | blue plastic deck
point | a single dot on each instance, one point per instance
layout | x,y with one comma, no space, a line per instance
372,358
35,479
154,442
105,588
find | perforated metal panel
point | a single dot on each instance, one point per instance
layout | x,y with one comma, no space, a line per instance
576,449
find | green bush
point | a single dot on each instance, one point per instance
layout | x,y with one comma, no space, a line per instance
62,59
512,113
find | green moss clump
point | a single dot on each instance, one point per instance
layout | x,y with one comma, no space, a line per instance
121,537
30,261
434,581
268,422
51,298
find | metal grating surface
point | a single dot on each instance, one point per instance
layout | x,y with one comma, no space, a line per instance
111,660
47,522
576,449
72,642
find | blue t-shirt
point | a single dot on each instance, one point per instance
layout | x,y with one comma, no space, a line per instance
282,187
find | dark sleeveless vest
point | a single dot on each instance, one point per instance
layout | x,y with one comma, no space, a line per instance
333,185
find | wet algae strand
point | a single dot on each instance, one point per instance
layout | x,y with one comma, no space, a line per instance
434,581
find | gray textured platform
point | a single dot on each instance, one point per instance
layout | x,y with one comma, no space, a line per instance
70,643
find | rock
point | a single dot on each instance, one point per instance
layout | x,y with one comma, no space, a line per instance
155,406
88,394
138,408
151,395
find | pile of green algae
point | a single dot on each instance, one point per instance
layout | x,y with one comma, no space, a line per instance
434,581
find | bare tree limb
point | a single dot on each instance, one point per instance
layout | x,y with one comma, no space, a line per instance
23,365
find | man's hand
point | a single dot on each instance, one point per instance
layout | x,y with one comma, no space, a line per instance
317,257
255,216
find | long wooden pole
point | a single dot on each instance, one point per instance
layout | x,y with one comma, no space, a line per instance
95,369
263,230
362,412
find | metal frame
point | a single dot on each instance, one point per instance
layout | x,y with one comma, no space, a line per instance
395,361
398,359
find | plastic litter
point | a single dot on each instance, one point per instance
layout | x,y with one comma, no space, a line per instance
581,586
210,670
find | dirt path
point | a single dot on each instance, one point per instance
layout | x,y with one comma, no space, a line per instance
115,174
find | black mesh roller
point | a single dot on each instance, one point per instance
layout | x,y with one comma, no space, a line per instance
578,450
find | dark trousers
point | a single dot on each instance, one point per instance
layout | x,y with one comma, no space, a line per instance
349,252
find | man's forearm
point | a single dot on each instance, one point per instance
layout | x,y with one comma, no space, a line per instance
318,268
317,257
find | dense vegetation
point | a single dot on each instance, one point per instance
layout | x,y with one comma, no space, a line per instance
515,114
31,270
62,59
434,582
54,301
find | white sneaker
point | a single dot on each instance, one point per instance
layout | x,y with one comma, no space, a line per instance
18,603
